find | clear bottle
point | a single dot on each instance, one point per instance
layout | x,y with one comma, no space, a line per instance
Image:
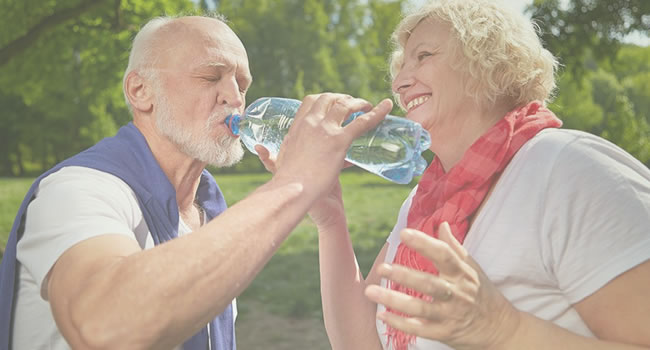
392,150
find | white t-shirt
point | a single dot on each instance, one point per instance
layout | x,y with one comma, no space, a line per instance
71,205
570,213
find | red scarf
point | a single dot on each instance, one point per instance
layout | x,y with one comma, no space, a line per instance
455,196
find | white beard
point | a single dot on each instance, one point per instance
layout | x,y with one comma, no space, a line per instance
223,151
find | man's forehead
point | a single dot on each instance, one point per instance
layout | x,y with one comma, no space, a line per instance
203,32
220,44
222,57
207,45
225,48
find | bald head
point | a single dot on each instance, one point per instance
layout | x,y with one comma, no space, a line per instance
168,43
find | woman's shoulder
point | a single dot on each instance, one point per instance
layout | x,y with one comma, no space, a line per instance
565,152
559,164
553,142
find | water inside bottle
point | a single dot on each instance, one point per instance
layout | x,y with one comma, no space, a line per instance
394,158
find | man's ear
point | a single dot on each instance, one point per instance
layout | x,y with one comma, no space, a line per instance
138,92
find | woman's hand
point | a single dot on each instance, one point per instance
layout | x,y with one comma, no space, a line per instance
265,157
462,309
327,212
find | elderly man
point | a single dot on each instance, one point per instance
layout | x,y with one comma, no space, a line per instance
101,255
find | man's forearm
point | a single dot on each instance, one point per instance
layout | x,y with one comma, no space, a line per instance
159,297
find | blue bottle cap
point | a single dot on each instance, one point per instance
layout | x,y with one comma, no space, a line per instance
352,117
232,121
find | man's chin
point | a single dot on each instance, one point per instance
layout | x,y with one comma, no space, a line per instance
227,159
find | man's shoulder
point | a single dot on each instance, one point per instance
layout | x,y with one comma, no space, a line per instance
80,183
83,176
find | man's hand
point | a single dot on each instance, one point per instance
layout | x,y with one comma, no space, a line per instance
313,151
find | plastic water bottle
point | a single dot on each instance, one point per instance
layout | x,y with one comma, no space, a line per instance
392,150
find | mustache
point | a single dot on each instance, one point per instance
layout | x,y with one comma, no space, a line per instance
219,117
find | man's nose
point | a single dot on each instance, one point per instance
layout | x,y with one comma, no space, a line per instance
229,93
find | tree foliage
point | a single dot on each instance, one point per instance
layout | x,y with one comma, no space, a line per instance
64,76
297,47
605,84
583,28
61,64
611,101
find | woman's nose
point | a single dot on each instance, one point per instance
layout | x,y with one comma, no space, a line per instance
401,82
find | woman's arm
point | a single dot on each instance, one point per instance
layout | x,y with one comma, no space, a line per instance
620,311
349,315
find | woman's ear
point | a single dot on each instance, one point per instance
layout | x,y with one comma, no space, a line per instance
139,92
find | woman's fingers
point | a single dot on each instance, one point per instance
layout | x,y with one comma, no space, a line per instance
266,158
437,251
433,286
406,304
409,325
445,235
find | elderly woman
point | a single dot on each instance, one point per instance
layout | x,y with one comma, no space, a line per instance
520,235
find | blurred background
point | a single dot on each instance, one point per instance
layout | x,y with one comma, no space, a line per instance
61,66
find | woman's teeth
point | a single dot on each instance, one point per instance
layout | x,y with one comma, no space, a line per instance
416,102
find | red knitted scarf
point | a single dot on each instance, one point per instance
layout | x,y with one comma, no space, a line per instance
456,195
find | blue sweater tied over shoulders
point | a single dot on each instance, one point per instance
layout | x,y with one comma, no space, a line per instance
127,156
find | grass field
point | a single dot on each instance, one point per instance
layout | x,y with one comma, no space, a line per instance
12,192
281,309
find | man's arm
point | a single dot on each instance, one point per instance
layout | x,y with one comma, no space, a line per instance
106,290
107,293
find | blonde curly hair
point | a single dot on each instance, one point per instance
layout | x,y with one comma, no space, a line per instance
497,50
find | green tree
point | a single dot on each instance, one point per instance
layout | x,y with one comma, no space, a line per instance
632,68
598,103
637,89
31,22
298,47
311,46
619,123
584,27
574,104
61,62
64,60
604,85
